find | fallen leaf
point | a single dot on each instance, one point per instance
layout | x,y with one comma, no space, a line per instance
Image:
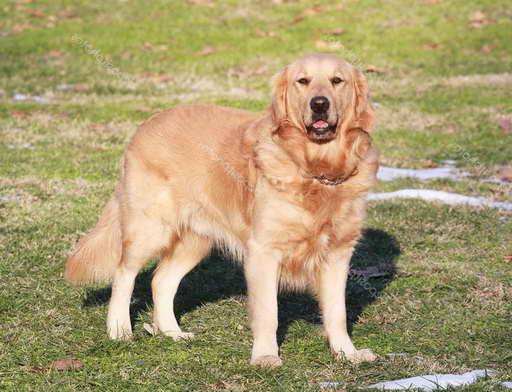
154,77
315,10
36,13
434,1
505,174
81,87
487,48
506,126
328,45
19,28
508,259
374,69
298,19
206,51
478,20
55,53
155,48
67,364
19,114
430,46
225,386
38,370
262,34
202,3
338,31
67,14
428,164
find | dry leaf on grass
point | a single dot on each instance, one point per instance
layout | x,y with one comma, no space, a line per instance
80,87
328,45
155,48
265,34
55,53
508,259
18,114
506,126
478,20
19,28
374,69
206,51
67,364
202,3
36,13
432,46
338,31
505,174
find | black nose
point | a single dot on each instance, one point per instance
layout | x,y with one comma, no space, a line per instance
319,104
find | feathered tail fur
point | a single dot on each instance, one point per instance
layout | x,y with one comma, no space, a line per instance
98,253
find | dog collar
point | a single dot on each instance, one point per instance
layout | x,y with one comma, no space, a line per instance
329,181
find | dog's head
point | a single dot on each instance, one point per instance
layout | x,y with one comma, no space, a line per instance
323,96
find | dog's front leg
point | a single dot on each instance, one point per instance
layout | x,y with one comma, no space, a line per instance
331,292
262,276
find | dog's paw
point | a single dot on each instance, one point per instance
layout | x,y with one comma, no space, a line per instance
120,333
267,361
175,335
364,355
178,335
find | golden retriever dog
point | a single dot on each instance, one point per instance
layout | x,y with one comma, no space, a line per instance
284,191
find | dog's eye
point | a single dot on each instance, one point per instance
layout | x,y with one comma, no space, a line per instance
336,80
303,81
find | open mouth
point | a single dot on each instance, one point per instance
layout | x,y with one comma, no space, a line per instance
321,131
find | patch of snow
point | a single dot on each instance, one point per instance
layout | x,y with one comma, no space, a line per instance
392,173
64,86
433,382
35,98
507,384
399,355
328,384
6,199
30,146
444,197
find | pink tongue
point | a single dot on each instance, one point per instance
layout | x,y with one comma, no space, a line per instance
320,124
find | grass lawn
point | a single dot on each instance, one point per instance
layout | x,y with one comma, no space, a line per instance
76,79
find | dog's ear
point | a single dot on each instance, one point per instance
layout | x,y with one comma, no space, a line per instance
279,107
364,113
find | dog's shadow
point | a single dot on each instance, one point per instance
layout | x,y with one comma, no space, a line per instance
372,268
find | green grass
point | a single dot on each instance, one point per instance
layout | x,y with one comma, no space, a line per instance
448,294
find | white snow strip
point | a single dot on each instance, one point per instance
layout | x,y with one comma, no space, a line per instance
448,171
35,98
444,197
392,173
507,384
433,382
328,384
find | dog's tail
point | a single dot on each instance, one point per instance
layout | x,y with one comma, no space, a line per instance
98,253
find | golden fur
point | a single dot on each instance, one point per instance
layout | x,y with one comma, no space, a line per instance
195,176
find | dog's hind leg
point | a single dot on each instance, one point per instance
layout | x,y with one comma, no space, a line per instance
175,263
143,238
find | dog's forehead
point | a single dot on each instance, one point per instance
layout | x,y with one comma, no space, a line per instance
321,64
